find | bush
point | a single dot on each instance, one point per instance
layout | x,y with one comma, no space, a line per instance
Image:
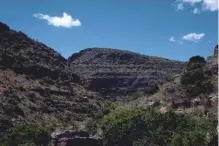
123,127
92,125
26,135
195,62
139,127
104,110
197,82
193,77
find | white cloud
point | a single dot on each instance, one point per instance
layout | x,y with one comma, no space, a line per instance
172,39
192,1
65,21
196,11
211,5
206,5
194,37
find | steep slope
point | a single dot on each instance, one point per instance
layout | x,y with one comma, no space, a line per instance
175,95
37,86
115,73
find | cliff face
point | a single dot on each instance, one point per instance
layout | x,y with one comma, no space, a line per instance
115,73
37,86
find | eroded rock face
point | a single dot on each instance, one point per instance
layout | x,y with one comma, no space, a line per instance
75,138
116,73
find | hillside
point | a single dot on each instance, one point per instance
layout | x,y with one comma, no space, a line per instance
187,97
37,86
116,73
47,100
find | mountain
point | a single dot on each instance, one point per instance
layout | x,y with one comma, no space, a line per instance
115,73
190,97
36,85
39,89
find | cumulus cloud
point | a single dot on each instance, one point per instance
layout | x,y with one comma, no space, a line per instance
65,21
194,37
206,5
211,5
172,39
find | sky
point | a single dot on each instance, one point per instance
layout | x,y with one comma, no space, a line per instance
173,29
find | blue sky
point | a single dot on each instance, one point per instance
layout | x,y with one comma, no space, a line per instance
174,29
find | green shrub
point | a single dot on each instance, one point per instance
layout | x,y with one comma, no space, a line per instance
140,127
92,125
196,133
123,127
104,110
195,62
197,82
26,135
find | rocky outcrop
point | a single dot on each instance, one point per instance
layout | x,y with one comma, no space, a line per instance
115,73
75,138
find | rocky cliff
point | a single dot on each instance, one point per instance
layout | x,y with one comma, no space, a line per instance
37,86
115,73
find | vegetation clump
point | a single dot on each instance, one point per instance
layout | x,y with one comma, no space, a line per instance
26,134
196,80
135,127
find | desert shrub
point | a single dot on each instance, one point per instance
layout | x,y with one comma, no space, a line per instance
108,107
195,62
26,135
123,127
140,127
197,82
199,132
192,77
104,110
93,124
